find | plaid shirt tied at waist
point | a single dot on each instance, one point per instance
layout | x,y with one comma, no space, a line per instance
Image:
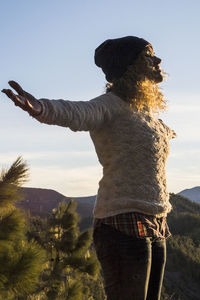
137,224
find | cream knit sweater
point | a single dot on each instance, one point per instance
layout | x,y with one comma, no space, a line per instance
132,148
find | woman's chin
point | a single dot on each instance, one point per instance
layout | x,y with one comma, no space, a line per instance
158,77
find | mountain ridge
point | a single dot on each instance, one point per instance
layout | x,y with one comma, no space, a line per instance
39,201
192,194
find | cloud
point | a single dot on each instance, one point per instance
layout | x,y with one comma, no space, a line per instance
49,156
179,180
70,182
71,173
184,119
183,168
184,108
192,154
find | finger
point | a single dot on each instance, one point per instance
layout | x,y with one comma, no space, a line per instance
31,109
16,87
29,105
9,93
20,91
16,99
30,97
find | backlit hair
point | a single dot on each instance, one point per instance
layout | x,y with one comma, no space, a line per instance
138,87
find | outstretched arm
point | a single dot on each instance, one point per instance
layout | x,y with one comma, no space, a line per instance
23,99
77,115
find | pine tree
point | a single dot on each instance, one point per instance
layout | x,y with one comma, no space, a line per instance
20,261
70,259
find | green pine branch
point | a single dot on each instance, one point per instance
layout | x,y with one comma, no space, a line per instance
10,181
21,261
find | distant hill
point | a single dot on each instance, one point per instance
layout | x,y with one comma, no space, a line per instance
41,202
193,194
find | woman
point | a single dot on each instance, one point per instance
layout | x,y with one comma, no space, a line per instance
132,145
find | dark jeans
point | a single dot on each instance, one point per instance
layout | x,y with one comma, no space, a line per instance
132,268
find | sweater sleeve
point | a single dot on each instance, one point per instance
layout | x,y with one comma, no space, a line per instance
78,115
170,132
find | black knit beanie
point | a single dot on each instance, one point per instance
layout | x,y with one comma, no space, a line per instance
115,55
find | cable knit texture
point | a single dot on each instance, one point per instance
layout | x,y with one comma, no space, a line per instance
132,147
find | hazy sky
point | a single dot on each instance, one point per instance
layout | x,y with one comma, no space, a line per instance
48,47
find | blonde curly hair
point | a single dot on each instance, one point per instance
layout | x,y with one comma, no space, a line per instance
139,87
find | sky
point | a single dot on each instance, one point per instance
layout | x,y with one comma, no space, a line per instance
48,47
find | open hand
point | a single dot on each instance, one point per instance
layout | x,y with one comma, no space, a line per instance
24,100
